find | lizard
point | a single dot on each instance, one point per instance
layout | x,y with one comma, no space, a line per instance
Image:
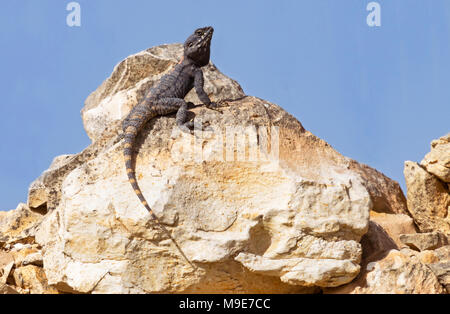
166,97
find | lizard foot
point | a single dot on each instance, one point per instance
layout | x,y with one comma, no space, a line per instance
215,106
190,126
187,127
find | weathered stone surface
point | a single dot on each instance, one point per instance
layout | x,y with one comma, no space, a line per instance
283,212
6,289
26,254
6,265
376,244
19,225
394,225
133,76
439,262
428,199
385,269
395,273
38,194
386,194
424,241
437,161
32,280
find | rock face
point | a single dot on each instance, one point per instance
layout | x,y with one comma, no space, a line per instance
437,161
394,225
439,262
21,262
277,218
400,273
254,202
425,241
387,270
428,199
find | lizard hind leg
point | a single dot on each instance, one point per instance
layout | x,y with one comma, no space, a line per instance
182,120
168,105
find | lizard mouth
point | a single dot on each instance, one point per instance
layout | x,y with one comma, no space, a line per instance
206,37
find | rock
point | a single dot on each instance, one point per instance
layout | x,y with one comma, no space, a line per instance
439,262
442,272
302,271
274,209
131,79
396,273
386,194
19,225
385,269
376,244
27,254
428,199
6,265
424,241
6,289
32,279
437,161
394,225
39,192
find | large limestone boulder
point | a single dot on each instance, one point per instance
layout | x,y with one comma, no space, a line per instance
425,241
253,202
279,218
428,199
386,194
437,161
394,225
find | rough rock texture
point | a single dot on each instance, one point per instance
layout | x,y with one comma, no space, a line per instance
40,196
21,262
437,161
428,199
438,261
277,210
385,269
394,225
18,225
424,241
400,273
386,194
276,219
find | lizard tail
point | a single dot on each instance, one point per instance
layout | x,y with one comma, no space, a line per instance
130,133
130,136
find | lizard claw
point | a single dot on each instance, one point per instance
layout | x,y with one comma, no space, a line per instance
187,127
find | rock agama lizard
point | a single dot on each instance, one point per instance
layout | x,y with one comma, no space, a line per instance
167,97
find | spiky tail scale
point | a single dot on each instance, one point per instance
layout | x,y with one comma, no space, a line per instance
130,138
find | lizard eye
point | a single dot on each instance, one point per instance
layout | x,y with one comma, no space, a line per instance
190,44
198,33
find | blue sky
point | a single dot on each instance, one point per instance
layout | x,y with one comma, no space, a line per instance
378,95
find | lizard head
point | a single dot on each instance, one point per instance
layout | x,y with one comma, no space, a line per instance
197,46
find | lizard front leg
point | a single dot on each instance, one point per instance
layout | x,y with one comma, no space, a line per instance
198,85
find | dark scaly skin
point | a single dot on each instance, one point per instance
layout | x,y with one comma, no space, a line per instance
167,97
